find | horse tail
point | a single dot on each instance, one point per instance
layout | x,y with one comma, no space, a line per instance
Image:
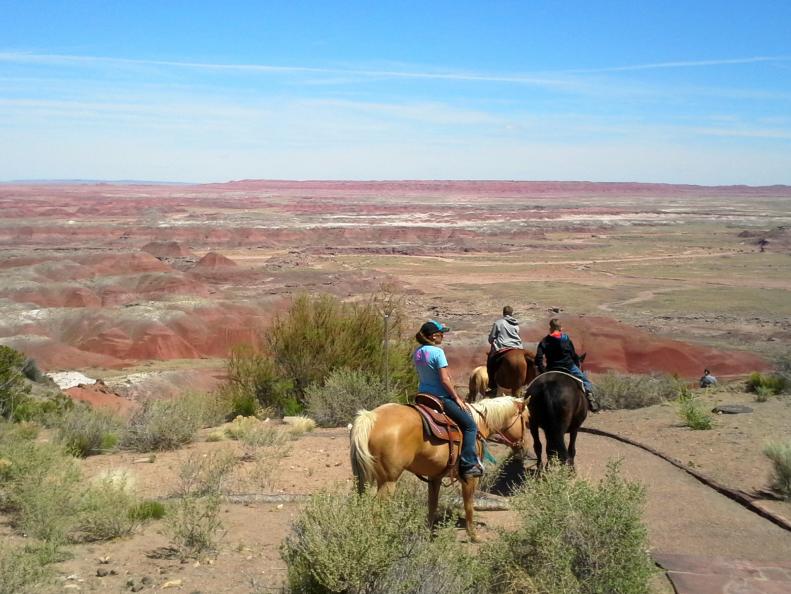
361,457
554,429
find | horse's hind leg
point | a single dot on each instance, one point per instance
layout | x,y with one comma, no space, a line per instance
467,493
433,501
572,447
536,442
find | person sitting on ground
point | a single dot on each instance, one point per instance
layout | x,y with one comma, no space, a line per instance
432,369
503,336
707,380
561,355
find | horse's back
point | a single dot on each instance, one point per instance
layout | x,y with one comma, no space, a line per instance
512,372
556,397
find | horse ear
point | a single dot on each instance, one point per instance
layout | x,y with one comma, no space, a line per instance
582,357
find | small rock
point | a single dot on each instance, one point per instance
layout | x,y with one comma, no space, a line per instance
102,572
147,580
72,577
137,587
279,506
172,584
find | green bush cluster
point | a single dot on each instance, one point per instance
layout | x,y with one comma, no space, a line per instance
14,389
574,536
571,537
86,431
48,499
21,571
692,413
780,455
765,385
193,518
315,337
392,549
618,391
163,425
335,402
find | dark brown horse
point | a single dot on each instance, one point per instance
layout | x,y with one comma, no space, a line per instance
516,368
557,404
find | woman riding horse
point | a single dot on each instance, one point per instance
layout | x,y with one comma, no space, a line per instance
432,369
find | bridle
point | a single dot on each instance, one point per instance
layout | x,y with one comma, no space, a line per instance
498,436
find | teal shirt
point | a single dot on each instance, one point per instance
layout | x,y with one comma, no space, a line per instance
428,361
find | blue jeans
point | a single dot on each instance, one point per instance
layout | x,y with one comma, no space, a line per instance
579,374
469,453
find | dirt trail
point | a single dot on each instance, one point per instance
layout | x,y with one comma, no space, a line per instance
682,515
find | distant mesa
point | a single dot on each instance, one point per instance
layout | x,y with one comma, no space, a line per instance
213,261
166,249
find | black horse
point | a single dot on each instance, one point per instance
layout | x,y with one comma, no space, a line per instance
557,405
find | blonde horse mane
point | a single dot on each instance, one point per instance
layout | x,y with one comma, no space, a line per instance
496,411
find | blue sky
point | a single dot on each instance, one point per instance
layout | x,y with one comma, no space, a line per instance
671,91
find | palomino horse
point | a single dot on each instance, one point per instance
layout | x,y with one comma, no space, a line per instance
517,368
558,405
479,383
390,439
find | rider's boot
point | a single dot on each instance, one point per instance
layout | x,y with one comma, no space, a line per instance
593,404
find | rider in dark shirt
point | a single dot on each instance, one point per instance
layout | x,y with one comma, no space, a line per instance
561,355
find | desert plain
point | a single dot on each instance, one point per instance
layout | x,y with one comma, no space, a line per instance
148,286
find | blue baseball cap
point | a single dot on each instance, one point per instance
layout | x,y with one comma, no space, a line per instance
432,327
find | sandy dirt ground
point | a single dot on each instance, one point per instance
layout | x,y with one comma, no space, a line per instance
682,515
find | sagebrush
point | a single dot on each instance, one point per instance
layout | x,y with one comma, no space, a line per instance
193,519
392,549
574,537
163,425
629,391
692,413
780,455
335,402
85,431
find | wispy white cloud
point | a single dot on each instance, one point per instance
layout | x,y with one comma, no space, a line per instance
65,59
685,64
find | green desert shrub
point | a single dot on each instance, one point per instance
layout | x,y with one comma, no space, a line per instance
147,510
780,455
106,509
47,409
335,402
762,393
392,549
692,413
774,383
254,382
47,498
617,391
162,425
320,334
85,431
21,572
193,518
255,433
14,389
573,537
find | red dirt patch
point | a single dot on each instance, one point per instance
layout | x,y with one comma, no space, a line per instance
166,249
100,396
213,261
